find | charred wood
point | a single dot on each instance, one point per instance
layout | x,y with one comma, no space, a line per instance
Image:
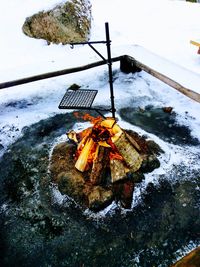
99,165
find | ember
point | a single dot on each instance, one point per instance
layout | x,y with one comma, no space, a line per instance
105,144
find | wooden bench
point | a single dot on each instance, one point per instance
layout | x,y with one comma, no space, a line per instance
197,43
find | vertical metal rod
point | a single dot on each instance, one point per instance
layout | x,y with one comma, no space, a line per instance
110,69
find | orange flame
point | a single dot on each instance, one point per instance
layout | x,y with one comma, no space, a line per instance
101,133
88,117
115,155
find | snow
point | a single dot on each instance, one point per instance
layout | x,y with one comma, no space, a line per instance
156,32
142,29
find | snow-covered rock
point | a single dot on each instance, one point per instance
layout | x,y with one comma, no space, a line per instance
64,23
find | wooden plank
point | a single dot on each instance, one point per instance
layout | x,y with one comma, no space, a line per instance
195,43
182,89
54,74
192,259
151,66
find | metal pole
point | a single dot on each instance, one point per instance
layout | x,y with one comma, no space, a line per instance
110,69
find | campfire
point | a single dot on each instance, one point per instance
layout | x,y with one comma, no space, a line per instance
105,146
102,163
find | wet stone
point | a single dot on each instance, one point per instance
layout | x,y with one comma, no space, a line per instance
99,198
163,124
150,163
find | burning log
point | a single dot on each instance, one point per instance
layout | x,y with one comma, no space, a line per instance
106,144
128,152
82,160
99,165
118,170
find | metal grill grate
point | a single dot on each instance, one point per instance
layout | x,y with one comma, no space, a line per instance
79,99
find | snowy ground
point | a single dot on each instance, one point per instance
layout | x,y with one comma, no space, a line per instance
163,27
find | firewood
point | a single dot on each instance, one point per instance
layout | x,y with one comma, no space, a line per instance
86,133
127,194
116,129
99,165
112,126
128,152
72,136
123,192
82,160
132,141
118,170
116,137
108,123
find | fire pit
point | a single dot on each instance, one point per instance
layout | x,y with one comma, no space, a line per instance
102,163
39,225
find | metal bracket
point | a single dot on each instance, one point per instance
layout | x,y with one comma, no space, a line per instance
91,45
108,60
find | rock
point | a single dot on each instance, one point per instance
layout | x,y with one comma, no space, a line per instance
154,148
62,158
74,183
69,22
136,177
190,260
74,87
99,198
69,180
150,162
